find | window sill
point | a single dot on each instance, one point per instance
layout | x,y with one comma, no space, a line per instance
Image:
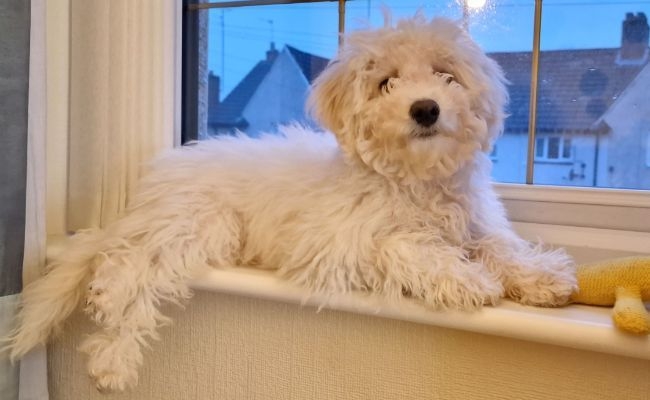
554,161
575,326
574,195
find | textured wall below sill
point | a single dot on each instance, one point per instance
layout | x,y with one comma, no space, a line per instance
227,347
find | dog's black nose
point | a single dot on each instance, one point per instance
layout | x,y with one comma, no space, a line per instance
425,112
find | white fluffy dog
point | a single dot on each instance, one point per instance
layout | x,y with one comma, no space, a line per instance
402,205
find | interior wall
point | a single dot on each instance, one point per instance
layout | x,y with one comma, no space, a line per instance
228,347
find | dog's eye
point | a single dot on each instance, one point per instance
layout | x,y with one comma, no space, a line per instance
383,85
449,78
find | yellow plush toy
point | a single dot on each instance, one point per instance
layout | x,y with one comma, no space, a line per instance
623,283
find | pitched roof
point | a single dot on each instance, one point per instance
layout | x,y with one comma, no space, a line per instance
576,87
310,65
228,113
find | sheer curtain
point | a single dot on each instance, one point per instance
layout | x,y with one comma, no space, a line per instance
123,91
33,369
22,183
122,94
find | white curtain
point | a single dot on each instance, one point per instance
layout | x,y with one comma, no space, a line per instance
123,91
122,96
33,372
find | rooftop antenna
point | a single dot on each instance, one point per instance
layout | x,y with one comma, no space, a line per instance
270,22
223,49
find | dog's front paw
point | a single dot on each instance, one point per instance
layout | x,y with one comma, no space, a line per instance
547,287
468,288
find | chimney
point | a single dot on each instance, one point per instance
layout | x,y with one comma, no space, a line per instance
634,41
214,83
272,53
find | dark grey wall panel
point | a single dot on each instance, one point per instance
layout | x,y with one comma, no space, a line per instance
14,85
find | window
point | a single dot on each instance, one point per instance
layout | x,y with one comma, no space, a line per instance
253,61
553,149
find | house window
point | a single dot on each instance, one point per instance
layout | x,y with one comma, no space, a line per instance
248,66
553,148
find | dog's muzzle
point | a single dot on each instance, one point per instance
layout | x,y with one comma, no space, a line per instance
425,112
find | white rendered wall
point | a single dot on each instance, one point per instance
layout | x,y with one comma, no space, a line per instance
509,164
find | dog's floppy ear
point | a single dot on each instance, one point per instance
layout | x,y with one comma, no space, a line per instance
486,82
331,100
491,106
327,96
492,97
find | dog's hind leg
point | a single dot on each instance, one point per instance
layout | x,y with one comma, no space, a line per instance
146,269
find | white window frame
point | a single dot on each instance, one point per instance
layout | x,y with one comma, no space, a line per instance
545,139
57,124
621,202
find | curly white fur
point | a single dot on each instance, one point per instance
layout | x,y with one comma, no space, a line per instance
390,206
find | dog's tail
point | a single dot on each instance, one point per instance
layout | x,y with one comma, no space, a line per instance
47,302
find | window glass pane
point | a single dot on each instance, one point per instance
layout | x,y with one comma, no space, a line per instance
553,148
566,148
594,85
256,64
360,14
539,147
504,29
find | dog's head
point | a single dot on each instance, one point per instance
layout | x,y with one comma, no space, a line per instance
415,102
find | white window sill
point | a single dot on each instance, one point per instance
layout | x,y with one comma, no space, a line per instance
575,326
574,195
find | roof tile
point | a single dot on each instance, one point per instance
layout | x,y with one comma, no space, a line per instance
575,87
